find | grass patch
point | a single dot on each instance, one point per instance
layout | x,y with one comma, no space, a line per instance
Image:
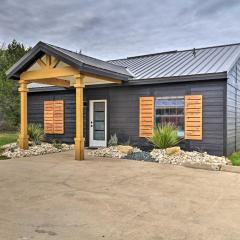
235,158
7,137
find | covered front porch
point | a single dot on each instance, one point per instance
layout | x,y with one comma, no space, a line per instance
51,65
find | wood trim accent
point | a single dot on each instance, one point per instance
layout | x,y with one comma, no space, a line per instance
49,73
54,117
93,77
48,117
193,117
54,81
146,116
58,117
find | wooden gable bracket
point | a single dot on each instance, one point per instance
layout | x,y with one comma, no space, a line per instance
50,62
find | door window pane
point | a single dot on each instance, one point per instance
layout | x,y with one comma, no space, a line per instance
99,121
99,135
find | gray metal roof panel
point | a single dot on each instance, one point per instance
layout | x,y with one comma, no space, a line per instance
207,60
93,61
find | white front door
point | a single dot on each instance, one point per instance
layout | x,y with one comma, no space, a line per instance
98,123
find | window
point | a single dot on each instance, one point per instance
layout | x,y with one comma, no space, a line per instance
170,110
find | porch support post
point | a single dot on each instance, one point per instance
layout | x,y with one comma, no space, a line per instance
79,140
23,137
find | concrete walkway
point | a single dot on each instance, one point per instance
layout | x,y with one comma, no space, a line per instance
55,197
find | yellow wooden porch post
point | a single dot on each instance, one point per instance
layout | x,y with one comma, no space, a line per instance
79,140
23,137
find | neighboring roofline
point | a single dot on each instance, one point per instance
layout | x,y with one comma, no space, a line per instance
149,81
42,48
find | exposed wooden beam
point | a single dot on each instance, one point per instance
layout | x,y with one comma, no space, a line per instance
41,63
49,73
93,77
53,81
54,63
48,61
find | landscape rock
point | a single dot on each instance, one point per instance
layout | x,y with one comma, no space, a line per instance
125,149
173,150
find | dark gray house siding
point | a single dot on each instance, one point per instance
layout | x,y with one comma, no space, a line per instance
233,109
123,110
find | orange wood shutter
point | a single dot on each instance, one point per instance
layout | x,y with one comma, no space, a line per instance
58,122
193,117
146,116
48,117
54,117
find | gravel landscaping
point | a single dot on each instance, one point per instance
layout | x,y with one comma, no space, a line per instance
175,156
13,151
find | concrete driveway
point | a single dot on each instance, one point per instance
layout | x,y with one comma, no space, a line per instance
55,197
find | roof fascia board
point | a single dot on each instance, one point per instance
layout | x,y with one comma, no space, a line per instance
190,78
41,47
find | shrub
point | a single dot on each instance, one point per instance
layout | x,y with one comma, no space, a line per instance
165,136
35,133
113,141
57,143
235,158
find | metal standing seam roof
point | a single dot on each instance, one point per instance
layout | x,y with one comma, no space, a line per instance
207,60
192,62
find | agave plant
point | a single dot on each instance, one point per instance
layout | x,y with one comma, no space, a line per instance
165,136
35,133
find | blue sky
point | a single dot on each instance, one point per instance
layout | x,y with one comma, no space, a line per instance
110,29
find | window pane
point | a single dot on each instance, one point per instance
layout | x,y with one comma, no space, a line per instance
170,110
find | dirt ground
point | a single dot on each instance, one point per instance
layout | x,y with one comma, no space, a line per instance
56,197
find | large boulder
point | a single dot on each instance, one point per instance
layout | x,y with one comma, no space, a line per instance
125,149
173,151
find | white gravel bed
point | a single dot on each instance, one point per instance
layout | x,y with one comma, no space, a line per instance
13,151
160,155
188,157
112,152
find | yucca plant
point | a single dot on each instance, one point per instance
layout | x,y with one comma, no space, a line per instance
113,141
35,133
165,136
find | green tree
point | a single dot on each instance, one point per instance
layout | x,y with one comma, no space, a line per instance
9,97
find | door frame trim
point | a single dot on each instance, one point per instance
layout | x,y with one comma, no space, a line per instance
91,129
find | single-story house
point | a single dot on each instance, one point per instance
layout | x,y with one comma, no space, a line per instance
197,89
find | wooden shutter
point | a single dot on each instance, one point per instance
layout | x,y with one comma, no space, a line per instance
58,122
146,116
54,117
48,117
193,117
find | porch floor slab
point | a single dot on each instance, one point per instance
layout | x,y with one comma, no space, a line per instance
56,197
